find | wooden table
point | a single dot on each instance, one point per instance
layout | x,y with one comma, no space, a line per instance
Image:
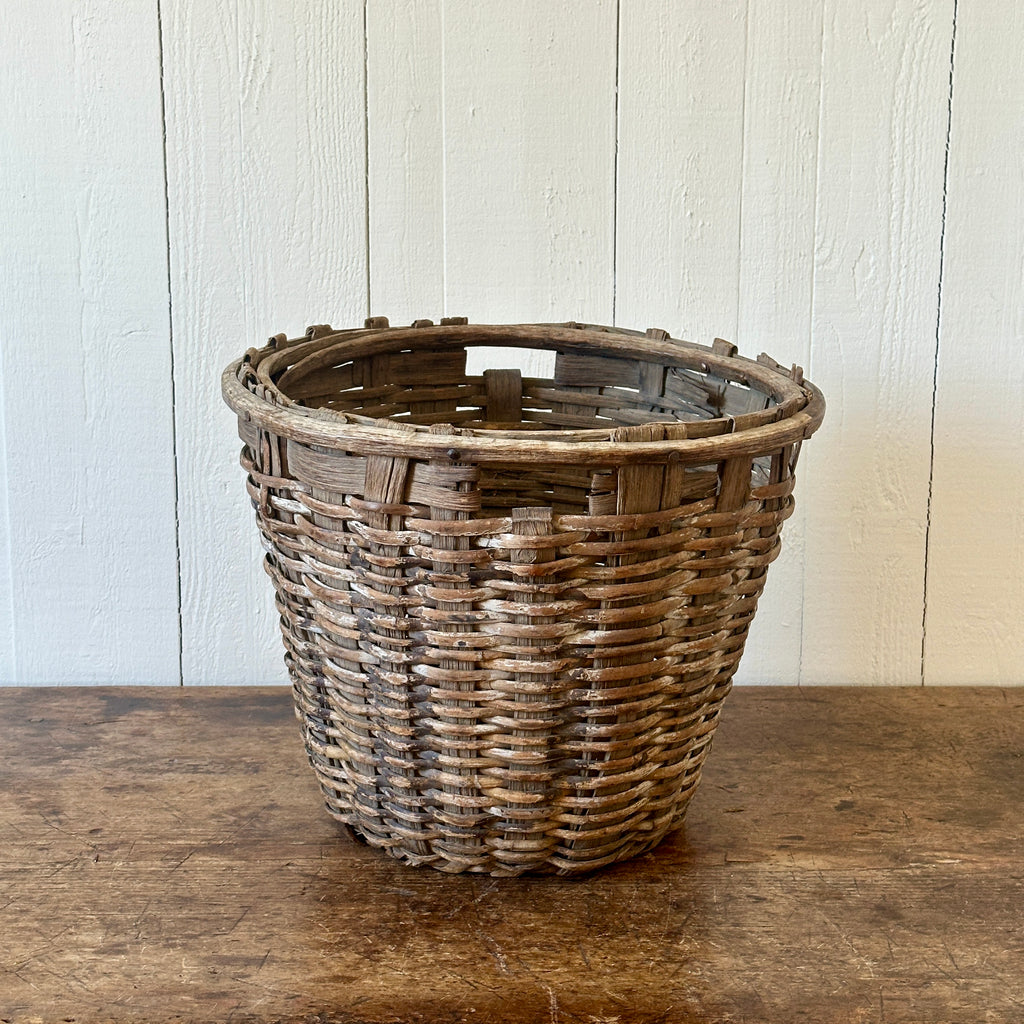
852,855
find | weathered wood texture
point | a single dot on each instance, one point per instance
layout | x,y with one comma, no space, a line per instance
848,857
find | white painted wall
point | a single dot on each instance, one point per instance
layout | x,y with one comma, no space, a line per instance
90,568
837,184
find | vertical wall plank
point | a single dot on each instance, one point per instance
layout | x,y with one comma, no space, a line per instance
266,135
718,115
405,122
681,74
8,659
879,213
529,162
780,146
492,161
976,552
84,362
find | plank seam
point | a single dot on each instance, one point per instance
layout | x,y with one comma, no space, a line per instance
444,163
170,343
811,319
615,167
938,334
366,158
743,175
8,546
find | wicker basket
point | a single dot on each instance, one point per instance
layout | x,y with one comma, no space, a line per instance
512,607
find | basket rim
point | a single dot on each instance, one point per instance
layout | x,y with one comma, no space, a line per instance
800,412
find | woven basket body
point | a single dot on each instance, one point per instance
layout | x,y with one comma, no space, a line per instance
512,607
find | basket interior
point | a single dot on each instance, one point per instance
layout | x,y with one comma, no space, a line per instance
424,386
614,384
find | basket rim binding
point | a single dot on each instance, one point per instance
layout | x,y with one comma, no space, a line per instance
256,397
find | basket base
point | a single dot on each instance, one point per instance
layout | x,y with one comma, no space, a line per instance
564,860
572,817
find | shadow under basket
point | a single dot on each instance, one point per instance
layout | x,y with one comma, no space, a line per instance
512,605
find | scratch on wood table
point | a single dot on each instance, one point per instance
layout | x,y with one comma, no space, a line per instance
164,856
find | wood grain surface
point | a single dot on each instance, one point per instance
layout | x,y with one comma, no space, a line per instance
850,856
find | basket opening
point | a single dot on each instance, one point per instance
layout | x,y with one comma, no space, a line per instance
522,389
